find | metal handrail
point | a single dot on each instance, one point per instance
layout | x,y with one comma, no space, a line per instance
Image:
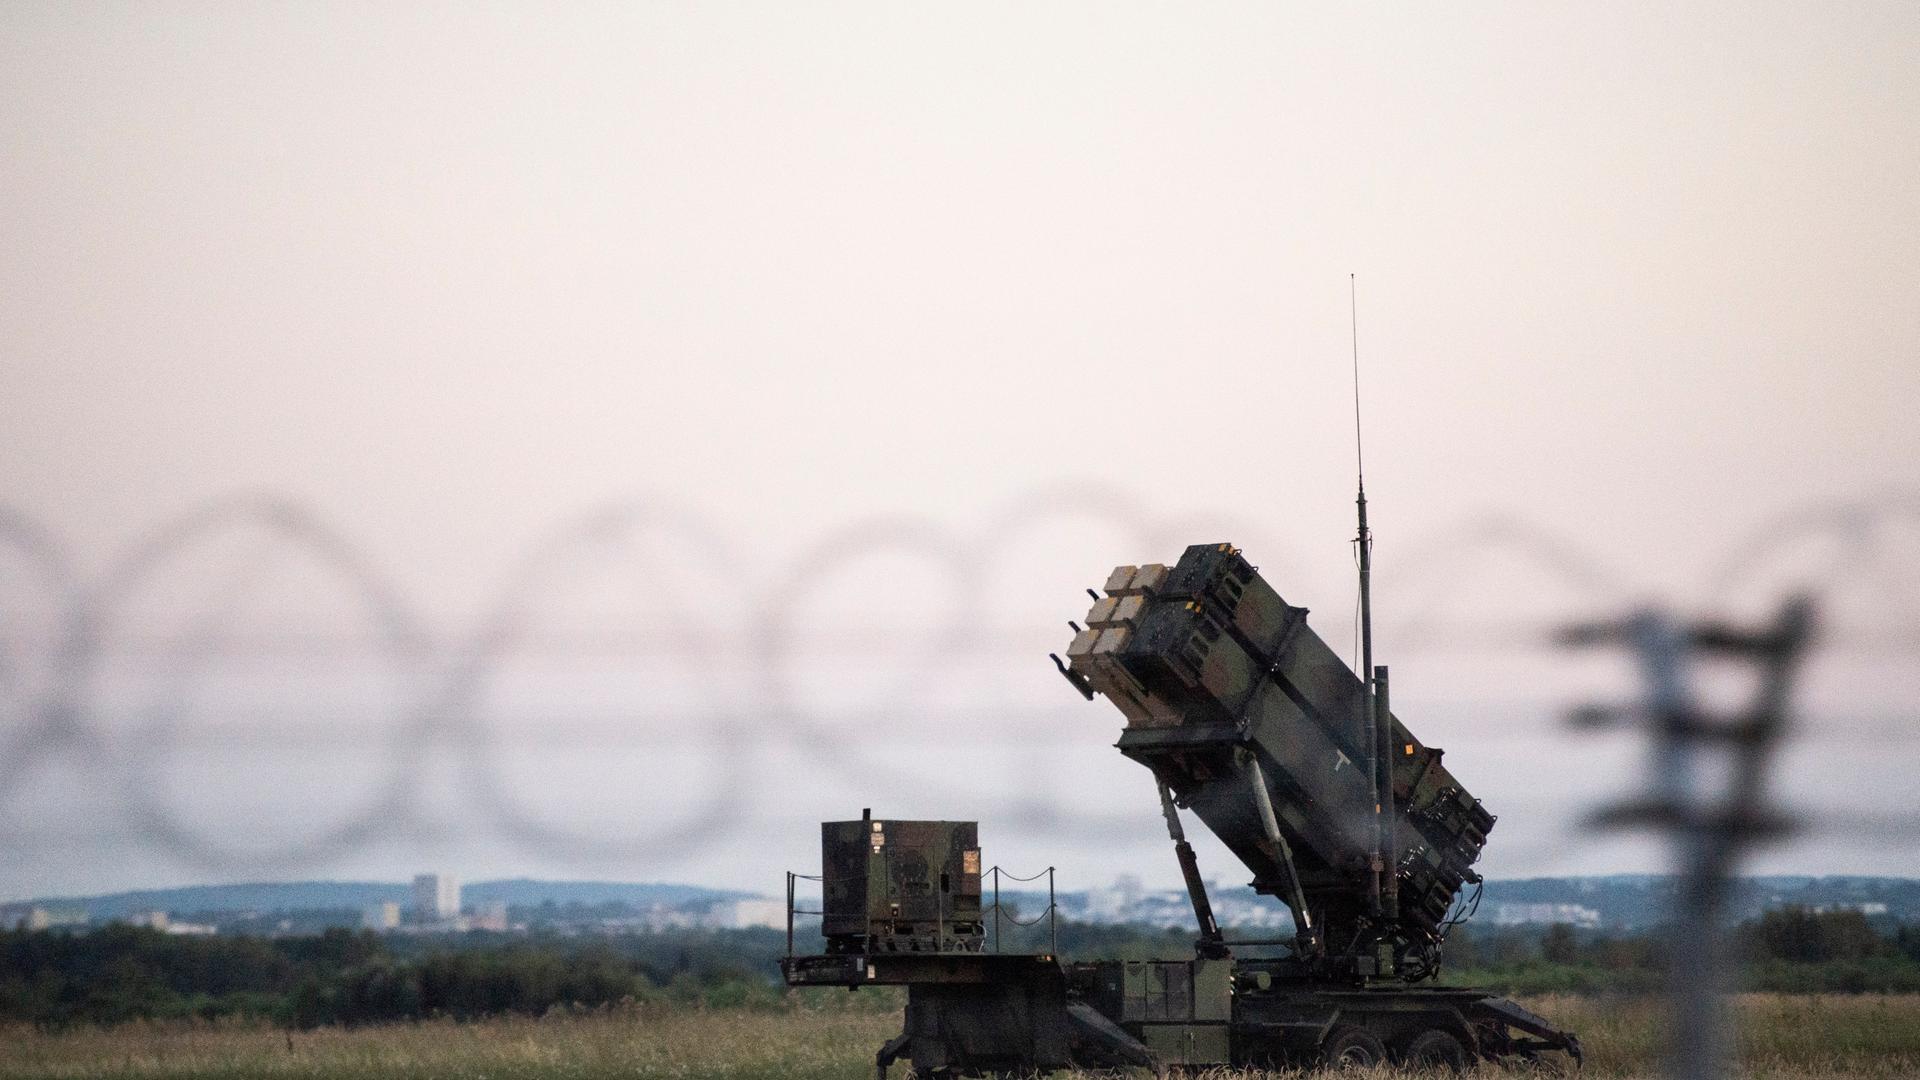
793,910
1035,921
1053,908
1047,873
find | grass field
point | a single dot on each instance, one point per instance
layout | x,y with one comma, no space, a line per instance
1865,1037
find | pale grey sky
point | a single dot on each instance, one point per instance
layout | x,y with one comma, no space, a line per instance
1645,276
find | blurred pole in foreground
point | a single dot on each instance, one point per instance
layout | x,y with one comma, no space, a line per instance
1712,826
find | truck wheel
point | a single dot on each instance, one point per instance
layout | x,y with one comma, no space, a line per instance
1353,1048
1435,1049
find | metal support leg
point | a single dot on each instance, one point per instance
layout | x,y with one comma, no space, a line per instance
1308,937
890,1052
1210,943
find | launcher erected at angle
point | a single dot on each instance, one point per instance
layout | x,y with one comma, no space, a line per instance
1249,720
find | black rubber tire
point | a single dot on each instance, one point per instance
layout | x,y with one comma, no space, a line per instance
1435,1049
1350,1047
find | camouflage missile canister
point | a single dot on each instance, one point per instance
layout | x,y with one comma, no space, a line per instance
900,886
1214,671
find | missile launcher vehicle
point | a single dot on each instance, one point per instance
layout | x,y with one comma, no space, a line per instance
1248,721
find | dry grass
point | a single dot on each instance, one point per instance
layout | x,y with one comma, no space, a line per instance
640,1042
1784,1038
1781,1036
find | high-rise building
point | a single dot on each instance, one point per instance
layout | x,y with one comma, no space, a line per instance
436,897
381,916
24,917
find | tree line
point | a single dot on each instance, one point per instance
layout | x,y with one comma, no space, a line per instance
1788,950
119,973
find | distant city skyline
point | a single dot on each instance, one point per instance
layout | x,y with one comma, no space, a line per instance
1609,902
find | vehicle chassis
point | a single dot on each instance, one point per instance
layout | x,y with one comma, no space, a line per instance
984,1014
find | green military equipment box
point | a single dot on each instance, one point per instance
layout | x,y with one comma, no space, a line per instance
1180,1009
900,886
1188,1044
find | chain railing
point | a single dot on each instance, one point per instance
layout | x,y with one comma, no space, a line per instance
1050,915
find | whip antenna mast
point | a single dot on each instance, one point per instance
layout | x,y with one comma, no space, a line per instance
1382,890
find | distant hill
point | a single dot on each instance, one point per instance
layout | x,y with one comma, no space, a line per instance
526,892
1621,901
1640,900
1627,902
268,897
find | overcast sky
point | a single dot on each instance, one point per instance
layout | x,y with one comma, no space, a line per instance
1643,277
